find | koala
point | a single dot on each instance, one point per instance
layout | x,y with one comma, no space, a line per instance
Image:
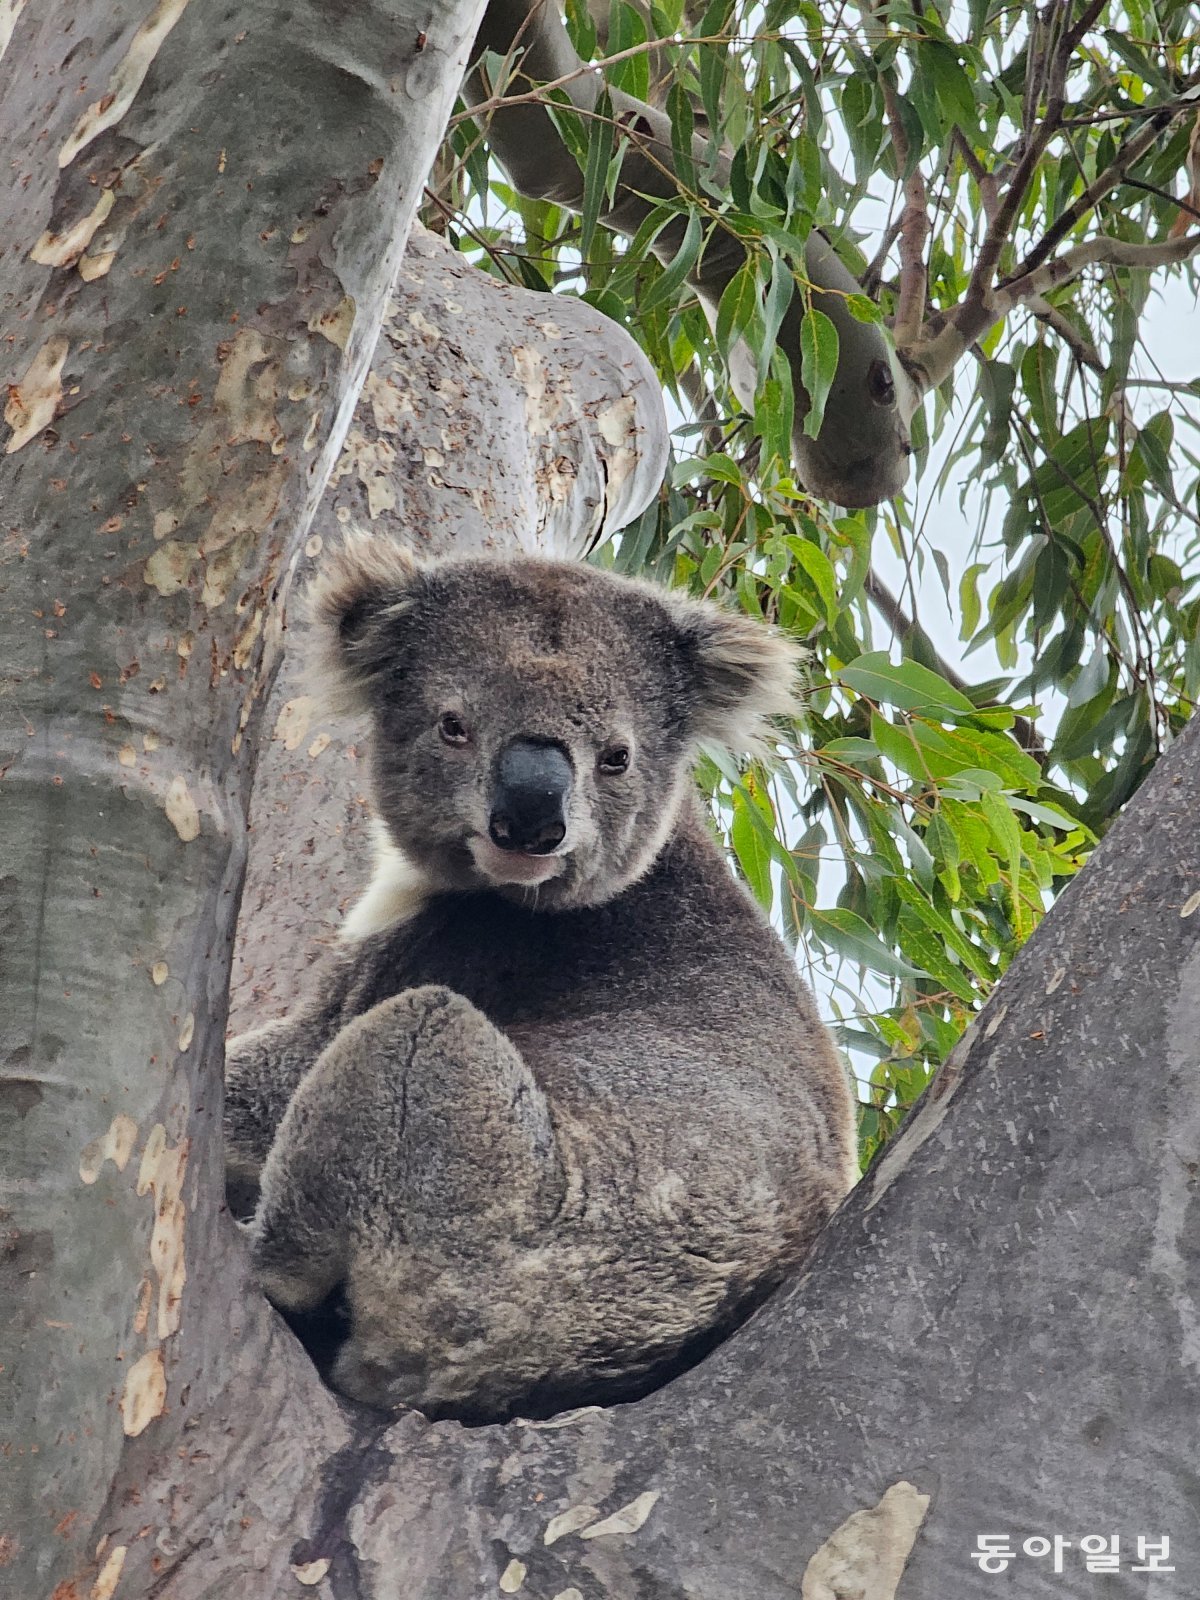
560,1113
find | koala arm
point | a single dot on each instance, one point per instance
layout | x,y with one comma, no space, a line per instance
263,1069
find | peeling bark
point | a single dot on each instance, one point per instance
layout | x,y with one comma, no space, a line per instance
187,309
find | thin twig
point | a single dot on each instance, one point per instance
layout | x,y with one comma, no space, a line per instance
1080,346
914,229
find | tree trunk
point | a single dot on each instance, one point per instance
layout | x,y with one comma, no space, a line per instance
197,250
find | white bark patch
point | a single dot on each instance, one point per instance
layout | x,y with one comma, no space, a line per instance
10,10
865,1558
319,746
1190,905
125,82
159,973
310,1573
994,1024
543,408
97,266
569,1521
568,1594
127,756
513,1576
144,1396
141,1317
292,722
627,1520
60,249
428,330
116,1146
110,1574
243,646
388,402
617,425
34,398
161,1174
335,325
187,1032
170,567
181,810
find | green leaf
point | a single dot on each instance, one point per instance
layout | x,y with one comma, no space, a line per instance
752,850
738,306
862,309
774,411
817,565
601,135
684,259
906,685
679,109
818,365
847,933
627,28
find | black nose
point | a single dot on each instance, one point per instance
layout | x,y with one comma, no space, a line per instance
529,807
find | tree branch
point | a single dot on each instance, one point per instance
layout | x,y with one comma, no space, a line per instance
1102,251
914,229
1130,153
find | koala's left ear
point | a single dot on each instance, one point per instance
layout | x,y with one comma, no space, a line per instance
744,673
360,593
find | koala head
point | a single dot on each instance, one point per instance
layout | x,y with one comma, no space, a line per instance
534,721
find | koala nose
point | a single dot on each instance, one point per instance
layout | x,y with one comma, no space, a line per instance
529,807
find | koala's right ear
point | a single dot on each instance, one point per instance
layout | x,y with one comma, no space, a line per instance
361,589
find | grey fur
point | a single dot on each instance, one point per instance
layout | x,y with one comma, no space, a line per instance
549,1140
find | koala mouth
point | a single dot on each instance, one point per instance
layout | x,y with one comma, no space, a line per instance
513,866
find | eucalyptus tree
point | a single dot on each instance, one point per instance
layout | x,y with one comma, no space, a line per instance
845,245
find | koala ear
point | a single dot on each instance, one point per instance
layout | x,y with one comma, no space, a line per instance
361,588
744,672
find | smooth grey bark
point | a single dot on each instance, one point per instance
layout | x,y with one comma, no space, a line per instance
207,210
860,455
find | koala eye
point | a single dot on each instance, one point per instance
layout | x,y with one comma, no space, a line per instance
452,729
881,386
614,760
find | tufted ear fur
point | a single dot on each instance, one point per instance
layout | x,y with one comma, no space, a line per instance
744,674
369,582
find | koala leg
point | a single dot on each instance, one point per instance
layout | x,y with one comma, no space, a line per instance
419,1140
262,1071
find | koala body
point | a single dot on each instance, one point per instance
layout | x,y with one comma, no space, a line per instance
562,1112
